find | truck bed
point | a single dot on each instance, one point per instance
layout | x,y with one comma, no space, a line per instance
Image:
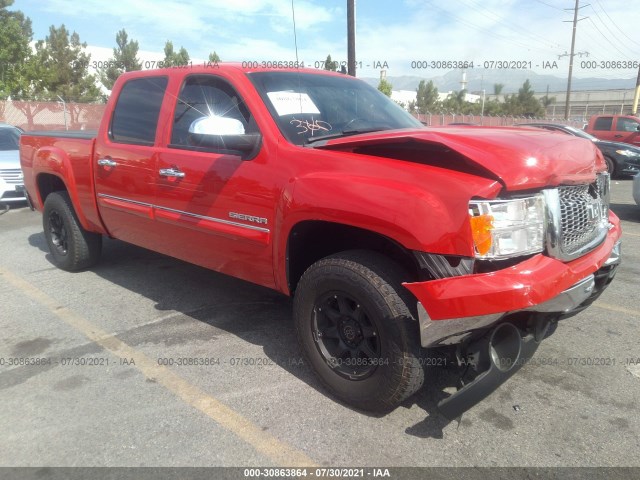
66,157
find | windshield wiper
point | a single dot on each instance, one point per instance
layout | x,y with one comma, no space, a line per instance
344,133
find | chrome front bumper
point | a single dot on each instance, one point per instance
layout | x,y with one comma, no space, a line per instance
448,332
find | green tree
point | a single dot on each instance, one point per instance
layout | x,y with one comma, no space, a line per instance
63,56
497,88
427,97
59,68
457,102
385,87
493,107
124,59
528,104
214,58
15,35
547,100
330,64
172,58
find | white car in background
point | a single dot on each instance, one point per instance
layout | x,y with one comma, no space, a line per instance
11,178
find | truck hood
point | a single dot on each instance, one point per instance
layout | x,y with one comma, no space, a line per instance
520,159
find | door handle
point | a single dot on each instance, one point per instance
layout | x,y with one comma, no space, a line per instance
617,136
107,162
171,172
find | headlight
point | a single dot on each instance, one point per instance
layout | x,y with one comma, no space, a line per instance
628,153
603,184
507,228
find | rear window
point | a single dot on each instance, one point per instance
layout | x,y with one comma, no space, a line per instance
603,123
135,117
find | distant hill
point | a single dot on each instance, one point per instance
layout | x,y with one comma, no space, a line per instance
477,79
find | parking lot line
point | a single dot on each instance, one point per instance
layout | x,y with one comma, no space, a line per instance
279,452
615,308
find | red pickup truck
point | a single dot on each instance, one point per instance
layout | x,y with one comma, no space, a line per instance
392,238
615,128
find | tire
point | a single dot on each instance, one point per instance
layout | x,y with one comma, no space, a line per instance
611,166
72,247
357,331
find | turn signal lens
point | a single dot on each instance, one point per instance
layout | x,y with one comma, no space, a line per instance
481,227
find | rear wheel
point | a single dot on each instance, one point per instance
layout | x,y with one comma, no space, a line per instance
357,331
72,247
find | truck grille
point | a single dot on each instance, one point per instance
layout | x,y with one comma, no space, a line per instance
12,176
578,218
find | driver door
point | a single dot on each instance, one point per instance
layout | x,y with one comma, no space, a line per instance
213,207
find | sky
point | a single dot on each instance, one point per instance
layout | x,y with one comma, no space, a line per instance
403,37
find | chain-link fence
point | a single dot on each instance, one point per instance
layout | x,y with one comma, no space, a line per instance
51,115
87,116
438,119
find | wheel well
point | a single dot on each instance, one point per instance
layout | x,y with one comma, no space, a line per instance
47,184
312,240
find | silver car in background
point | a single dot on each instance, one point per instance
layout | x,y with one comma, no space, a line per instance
11,178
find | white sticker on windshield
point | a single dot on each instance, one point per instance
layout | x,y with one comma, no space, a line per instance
289,103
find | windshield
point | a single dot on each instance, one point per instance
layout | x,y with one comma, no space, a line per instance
308,106
9,138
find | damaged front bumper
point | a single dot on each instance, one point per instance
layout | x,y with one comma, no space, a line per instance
506,330
451,309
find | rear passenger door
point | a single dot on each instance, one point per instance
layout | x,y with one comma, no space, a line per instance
125,161
603,128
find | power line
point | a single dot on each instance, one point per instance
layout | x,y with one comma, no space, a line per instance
519,30
549,5
610,42
614,23
490,32
610,31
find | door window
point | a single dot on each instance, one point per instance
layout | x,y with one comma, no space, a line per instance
627,125
210,97
603,123
135,117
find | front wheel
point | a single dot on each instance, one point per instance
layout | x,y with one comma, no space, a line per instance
72,247
357,331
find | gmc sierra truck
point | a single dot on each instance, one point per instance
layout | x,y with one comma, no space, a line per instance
391,238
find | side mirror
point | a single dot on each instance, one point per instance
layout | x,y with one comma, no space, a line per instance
224,135
214,125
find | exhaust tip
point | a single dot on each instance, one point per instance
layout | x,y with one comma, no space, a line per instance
505,345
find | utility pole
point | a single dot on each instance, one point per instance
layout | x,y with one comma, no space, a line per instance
636,95
571,55
351,37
